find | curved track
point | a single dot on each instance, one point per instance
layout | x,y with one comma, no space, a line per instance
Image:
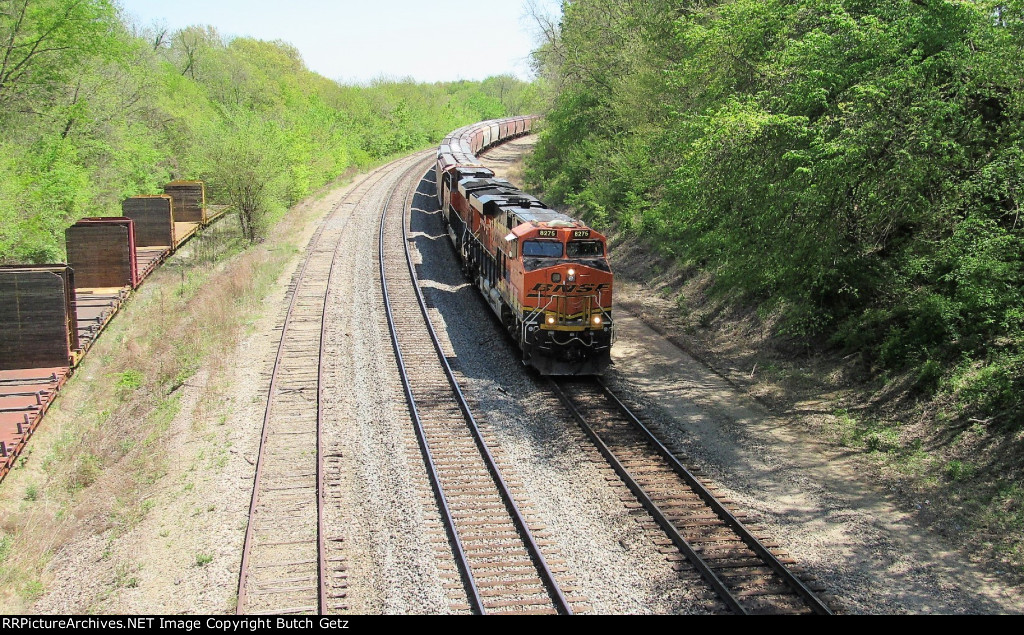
287,564
744,573
501,564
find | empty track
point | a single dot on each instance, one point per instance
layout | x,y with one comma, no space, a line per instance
502,567
744,573
287,562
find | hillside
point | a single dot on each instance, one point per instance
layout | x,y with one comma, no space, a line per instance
93,110
831,192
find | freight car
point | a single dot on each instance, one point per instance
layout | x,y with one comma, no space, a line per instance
50,315
543,273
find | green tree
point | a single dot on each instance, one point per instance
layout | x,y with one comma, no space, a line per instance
248,162
854,166
41,44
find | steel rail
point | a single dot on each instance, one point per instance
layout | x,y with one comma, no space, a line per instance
472,591
561,603
265,432
748,538
659,516
320,489
703,567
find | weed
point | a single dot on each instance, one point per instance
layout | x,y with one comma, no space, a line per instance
5,547
846,426
872,436
882,440
31,591
929,375
960,470
124,579
129,381
161,417
203,559
87,468
916,463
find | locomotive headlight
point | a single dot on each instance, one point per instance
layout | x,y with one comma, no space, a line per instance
556,277
572,275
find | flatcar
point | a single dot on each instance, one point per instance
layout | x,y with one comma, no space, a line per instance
543,273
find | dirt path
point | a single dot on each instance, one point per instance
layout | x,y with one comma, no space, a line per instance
821,504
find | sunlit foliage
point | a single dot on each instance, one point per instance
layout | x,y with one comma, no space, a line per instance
93,110
856,165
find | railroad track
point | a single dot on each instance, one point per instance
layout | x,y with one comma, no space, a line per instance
744,573
289,564
502,567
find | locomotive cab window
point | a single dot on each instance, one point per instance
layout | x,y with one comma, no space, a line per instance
542,249
584,249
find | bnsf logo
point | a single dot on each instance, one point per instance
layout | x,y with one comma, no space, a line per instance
543,287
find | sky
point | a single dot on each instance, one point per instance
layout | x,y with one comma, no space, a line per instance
354,42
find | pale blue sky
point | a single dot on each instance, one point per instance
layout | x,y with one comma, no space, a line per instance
436,40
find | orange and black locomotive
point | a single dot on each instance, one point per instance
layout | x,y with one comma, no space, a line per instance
543,273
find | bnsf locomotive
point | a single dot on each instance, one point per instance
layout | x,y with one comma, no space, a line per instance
544,274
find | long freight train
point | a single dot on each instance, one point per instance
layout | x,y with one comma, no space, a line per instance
543,273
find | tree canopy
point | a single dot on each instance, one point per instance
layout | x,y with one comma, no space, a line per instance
93,110
855,165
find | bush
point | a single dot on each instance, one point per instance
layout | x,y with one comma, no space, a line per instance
856,167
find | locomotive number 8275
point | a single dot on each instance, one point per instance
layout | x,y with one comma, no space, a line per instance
543,273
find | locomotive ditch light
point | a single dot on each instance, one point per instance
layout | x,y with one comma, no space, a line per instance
597,320
551,319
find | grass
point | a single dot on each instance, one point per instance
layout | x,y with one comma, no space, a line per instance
104,444
980,502
98,465
956,470
870,435
129,381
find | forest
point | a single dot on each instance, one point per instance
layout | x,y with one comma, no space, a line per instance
94,109
853,167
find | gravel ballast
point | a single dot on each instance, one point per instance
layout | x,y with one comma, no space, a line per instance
813,499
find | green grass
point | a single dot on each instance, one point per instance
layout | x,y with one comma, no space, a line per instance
960,470
869,435
129,381
31,591
1004,516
